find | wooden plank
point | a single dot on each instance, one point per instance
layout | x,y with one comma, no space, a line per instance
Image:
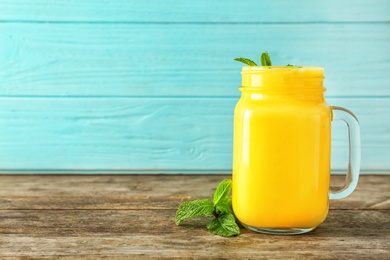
85,223
115,134
117,60
151,192
368,194
151,135
150,233
344,235
195,11
143,186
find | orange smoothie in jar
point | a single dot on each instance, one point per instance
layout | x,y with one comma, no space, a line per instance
281,157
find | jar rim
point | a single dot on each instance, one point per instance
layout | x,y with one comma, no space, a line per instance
300,71
273,68
290,73
283,77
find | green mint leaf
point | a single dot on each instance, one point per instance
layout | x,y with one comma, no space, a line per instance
224,205
225,225
195,208
246,61
226,200
224,222
223,208
222,191
265,59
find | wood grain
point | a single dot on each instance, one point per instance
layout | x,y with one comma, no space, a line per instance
201,11
151,135
150,83
107,230
132,60
152,192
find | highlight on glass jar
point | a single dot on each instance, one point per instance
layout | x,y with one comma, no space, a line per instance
282,147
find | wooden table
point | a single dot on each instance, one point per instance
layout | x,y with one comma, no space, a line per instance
73,216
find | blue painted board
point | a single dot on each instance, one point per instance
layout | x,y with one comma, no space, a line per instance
184,60
133,86
200,11
146,135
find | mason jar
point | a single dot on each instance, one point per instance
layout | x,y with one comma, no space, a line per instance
282,150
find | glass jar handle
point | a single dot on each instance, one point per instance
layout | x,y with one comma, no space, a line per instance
351,180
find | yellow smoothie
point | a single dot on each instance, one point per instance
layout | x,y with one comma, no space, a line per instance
281,157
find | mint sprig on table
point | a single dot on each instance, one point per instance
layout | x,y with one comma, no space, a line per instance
223,221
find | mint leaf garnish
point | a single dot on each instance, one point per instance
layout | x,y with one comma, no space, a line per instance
295,66
223,221
246,61
225,225
265,59
195,208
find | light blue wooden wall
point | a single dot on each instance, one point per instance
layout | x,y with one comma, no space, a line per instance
150,86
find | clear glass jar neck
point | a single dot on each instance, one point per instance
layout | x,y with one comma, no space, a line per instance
287,80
